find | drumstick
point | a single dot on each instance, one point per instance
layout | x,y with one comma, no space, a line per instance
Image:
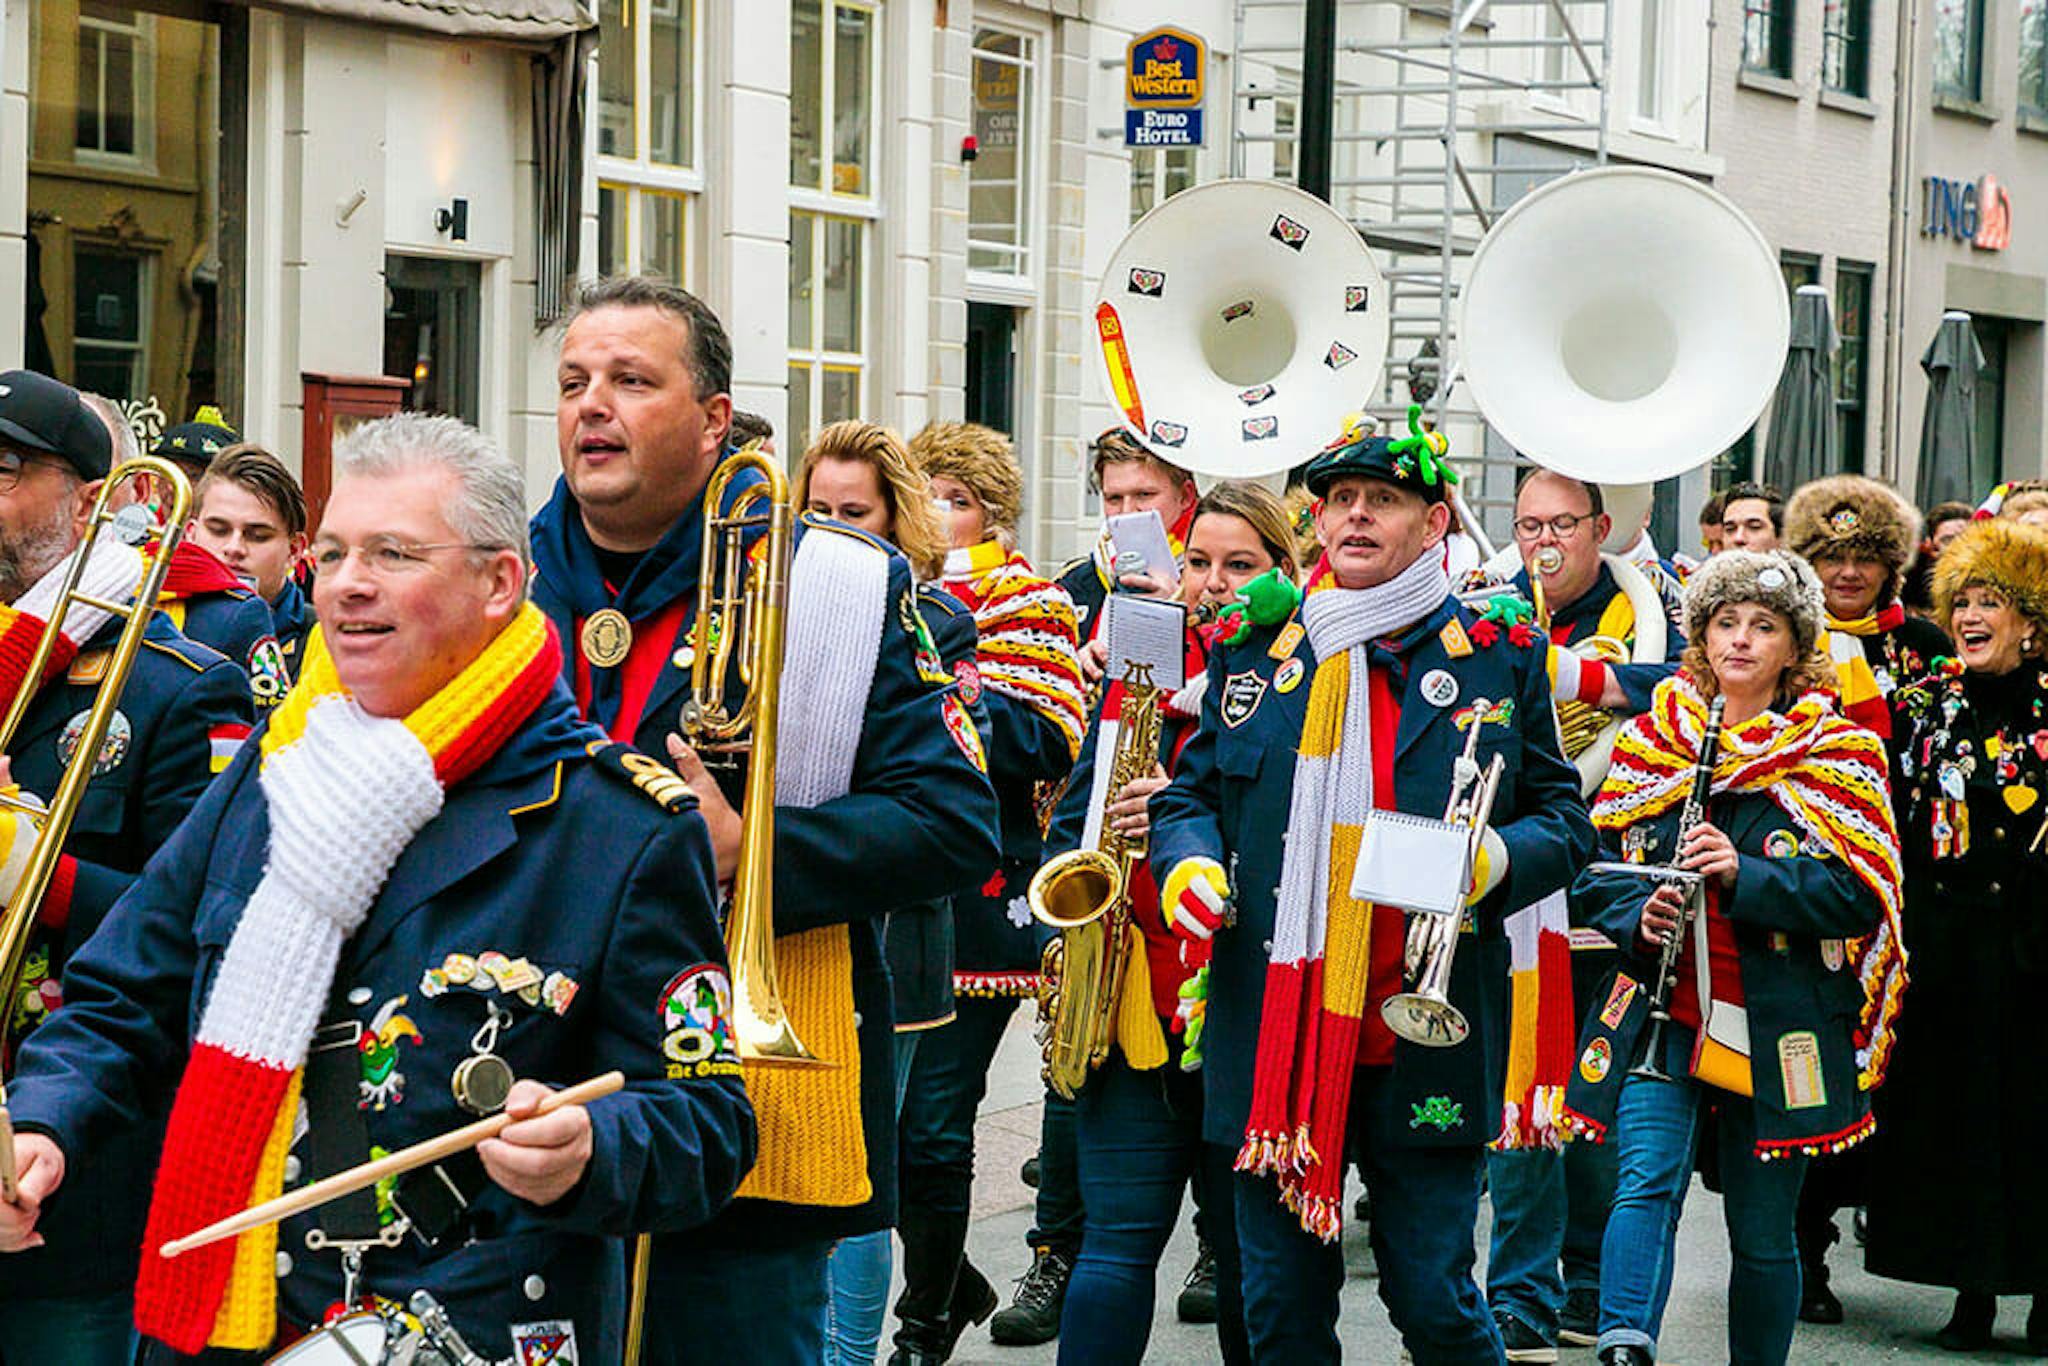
370,1173
8,1185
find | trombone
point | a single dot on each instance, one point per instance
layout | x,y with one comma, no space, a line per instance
54,822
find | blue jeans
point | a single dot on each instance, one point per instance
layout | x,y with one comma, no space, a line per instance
1140,1141
858,1274
1425,1202
1548,1206
767,1307
1657,1126
89,1330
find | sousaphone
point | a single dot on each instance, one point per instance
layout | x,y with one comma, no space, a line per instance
1238,323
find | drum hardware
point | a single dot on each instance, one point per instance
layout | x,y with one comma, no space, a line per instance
352,1250
439,1335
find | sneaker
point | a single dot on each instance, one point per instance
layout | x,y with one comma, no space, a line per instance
1034,1315
1197,1302
1579,1324
1523,1343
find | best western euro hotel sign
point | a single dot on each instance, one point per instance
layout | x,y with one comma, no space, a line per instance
1163,88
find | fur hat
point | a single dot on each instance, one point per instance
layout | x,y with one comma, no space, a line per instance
1778,579
979,457
2010,557
1847,514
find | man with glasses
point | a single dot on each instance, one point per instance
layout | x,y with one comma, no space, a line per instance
1549,1206
180,717
430,892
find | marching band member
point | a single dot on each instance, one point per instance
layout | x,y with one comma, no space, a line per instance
1030,683
1752,517
1139,1129
249,510
1798,855
1360,701
1972,749
180,717
1859,536
424,879
861,474
1550,1207
893,805
1126,477
1943,523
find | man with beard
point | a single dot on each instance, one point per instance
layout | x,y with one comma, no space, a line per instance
182,714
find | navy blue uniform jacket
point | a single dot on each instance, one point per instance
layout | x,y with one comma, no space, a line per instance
1792,906
918,822
291,616
1229,801
178,694
538,855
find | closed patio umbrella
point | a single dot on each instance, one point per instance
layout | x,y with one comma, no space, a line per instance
1804,443
1948,427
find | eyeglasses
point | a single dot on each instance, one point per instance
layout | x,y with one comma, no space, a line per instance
1562,525
14,464
384,556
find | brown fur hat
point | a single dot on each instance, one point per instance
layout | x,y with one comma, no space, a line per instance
979,457
1847,514
1995,553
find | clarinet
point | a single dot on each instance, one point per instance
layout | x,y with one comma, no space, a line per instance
1694,813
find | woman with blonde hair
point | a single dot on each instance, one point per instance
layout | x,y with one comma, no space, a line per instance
861,473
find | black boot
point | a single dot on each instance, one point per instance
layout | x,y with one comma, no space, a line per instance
1034,1316
974,1299
933,1247
1969,1328
1817,1303
1626,1354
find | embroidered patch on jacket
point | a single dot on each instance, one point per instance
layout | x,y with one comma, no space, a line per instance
961,727
1618,998
1595,1061
549,1343
1241,696
1441,1112
1799,1067
696,1024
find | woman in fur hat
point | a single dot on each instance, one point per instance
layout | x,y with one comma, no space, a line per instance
1859,535
1965,1099
1773,1032
1028,677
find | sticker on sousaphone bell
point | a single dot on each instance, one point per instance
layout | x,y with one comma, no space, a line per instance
607,638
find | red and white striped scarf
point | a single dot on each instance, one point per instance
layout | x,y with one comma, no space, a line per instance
1028,635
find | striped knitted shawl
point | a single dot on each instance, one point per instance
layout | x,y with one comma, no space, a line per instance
1028,635
346,793
1826,773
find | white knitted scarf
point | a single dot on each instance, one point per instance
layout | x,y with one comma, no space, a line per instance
838,605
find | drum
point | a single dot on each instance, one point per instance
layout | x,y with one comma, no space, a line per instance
356,1339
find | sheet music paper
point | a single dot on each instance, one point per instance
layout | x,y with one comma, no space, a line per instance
1412,862
1146,631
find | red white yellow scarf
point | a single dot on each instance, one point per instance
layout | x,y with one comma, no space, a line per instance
1028,637
346,793
1862,700
1826,773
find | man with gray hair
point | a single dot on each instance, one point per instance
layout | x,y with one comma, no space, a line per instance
427,892
179,718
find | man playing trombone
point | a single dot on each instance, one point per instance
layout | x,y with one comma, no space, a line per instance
183,709
425,892
1320,740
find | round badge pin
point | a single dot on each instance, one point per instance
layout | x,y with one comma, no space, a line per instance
1287,677
1439,688
607,638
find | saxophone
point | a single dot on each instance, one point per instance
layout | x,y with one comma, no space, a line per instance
1085,895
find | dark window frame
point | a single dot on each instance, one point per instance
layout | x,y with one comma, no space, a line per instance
1852,360
1970,86
1767,27
1845,47
2034,51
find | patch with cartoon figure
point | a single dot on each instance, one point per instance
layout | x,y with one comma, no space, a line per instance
549,1343
1781,844
967,675
382,1084
1440,1112
1497,714
696,1024
961,727
269,679
1618,998
1595,1061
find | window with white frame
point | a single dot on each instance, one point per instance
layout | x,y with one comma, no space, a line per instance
116,71
648,179
1157,174
1286,128
999,199
834,96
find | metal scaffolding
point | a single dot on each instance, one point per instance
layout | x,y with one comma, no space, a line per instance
1443,115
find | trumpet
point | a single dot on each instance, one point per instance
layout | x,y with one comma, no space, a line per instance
1423,1014
54,822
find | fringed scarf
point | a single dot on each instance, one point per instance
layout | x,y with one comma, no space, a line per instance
346,794
1542,1024
1863,701
1028,636
813,1150
1825,773
1322,938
